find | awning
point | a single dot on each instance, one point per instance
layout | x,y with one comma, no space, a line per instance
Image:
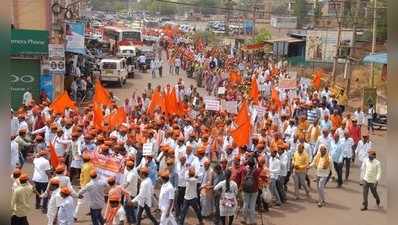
379,58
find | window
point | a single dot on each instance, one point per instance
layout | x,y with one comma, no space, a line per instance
133,35
109,65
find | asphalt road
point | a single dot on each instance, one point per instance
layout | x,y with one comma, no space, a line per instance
343,205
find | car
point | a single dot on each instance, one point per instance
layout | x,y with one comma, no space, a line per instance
114,70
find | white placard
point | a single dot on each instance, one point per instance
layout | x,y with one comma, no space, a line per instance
147,149
211,104
56,58
231,106
221,91
259,110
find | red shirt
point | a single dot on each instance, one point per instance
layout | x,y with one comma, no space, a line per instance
355,133
242,173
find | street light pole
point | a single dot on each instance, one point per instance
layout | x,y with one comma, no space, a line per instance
339,17
373,40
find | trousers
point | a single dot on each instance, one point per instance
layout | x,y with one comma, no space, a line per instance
249,206
299,179
321,188
373,189
167,220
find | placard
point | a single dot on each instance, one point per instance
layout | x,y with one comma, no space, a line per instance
221,91
287,84
231,106
259,110
147,149
211,104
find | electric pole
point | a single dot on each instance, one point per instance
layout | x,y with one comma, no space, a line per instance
339,17
349,63
374,29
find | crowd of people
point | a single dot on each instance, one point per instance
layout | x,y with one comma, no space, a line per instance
197,158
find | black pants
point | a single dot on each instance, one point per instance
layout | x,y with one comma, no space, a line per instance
160,71
373,189
339,170
75,175
41,188
217,217
281,188
15,220
180,200
370,125
147,212
261,204
347,162
194,203
224,218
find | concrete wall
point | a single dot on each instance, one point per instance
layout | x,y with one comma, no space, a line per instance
31,14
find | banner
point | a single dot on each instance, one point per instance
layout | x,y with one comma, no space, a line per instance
230,106
29,41
75,37
107,166
46,85
260,111
287,84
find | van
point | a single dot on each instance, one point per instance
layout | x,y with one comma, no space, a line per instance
127,51
114,71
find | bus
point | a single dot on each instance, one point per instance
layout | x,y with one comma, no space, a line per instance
116,34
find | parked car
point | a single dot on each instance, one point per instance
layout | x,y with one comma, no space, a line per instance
114,71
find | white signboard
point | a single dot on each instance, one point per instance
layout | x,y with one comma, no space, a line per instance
56,58
211,104
231,106
147,149
221,90
259,110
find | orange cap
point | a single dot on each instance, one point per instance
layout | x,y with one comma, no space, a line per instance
144,169
65,190
93,173
54,181
164,173
130,163
60,169
23,177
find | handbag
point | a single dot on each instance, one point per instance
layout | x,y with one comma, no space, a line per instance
228,199
266,195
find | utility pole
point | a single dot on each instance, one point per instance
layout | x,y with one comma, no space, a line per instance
352,48
339,17
373,41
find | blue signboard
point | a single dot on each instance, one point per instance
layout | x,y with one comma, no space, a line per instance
46,85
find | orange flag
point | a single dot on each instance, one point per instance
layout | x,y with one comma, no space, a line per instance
316,81
156,101
171,102
101,95
116,118
241,134
234,77
181,109
254,92
61,102
275,99
98,116
53,156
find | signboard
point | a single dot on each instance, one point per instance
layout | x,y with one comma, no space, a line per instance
369,97
56,58
24,76
221,91
321,45
29,42
211,104
287,84
107,166
147,149
74,32
231,106
260,111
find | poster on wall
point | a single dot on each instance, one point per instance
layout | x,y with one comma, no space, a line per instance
46,85
56,58
74,32
321,44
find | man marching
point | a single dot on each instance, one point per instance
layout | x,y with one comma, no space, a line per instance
166,199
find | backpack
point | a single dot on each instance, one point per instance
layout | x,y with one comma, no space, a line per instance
249,182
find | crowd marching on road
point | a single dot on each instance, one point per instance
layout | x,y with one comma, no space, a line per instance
171,149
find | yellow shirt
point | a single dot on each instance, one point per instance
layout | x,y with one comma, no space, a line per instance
322,164
300,161
313,133
21,199
85,173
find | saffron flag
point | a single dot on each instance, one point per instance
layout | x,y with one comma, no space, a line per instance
101,95
171,102
241,134
156,101
275,99
98,116
53,156
254,92
234,77
117,118
61,102
316,81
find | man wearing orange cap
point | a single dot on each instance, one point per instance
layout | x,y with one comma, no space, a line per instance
65,208
166,199
85,178
95,190
41,173
75,151
191,197
144,197
20,201
54,200
130,184
115,214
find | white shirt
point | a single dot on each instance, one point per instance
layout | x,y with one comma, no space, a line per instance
360,116
119,217
362,150
371,170
14,125
347,147
181,170
145,195
53,203
166,195
191,191
284,161
65,212
180,151
40,166
130,181
14,154
274,167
